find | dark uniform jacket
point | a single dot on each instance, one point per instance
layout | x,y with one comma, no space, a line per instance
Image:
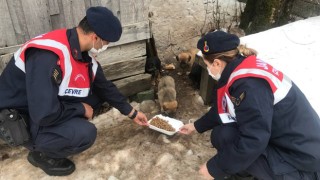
35,92
287,133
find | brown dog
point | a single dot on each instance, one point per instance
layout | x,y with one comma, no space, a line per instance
167,95
186,59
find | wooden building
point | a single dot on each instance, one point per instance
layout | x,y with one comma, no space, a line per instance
123,62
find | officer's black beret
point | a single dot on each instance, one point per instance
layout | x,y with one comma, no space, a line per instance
104,23
217,42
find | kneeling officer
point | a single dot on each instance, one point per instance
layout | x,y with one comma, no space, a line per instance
53,83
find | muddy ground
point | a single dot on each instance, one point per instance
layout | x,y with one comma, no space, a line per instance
126,151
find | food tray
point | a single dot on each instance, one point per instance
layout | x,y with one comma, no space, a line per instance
176,124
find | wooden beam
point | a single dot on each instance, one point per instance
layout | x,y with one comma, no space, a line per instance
206,84
125,51
134,84
133,11
125,68
58,20
19,21
37,17
73,11
131,33
7,35
114,6
10,49
134,32
53,7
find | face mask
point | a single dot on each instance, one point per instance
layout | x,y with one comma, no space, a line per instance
97,51
215,77
104,47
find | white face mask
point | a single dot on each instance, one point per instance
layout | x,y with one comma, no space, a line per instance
104,47
215,77
97,51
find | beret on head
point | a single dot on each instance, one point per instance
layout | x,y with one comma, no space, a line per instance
104,23
217,42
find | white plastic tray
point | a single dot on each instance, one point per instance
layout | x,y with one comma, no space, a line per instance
176,124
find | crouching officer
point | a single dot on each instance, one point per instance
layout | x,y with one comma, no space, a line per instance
55,82
262,124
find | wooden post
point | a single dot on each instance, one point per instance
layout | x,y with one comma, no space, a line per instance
206,84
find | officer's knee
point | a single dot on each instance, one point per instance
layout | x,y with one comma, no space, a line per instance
83,138
91,134
85,135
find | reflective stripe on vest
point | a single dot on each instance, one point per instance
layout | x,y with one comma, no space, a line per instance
251,67
75,82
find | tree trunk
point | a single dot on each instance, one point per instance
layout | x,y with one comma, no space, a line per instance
260,15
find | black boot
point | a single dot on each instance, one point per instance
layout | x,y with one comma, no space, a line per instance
51,166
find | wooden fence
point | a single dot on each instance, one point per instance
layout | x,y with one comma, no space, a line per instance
21,20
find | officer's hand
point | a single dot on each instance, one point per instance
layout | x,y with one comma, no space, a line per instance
88,111
187,129
204,172
141,119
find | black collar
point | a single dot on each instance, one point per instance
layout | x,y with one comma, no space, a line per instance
75,46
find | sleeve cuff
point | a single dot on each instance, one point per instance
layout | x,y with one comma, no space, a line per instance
215,171
126,109
198,126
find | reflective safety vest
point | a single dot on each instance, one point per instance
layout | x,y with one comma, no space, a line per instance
75,75
251,67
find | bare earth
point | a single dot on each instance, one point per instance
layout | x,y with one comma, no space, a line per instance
126,151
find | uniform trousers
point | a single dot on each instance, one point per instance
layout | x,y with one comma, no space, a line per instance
71,137
223,135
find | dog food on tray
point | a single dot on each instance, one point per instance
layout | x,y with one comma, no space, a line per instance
164,124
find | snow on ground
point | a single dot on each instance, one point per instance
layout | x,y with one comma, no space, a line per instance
294,49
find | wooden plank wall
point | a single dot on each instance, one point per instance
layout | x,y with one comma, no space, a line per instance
23,19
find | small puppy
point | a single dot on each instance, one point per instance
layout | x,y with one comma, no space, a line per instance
153,67
153,64
186,59
189,62
166,81
167,95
